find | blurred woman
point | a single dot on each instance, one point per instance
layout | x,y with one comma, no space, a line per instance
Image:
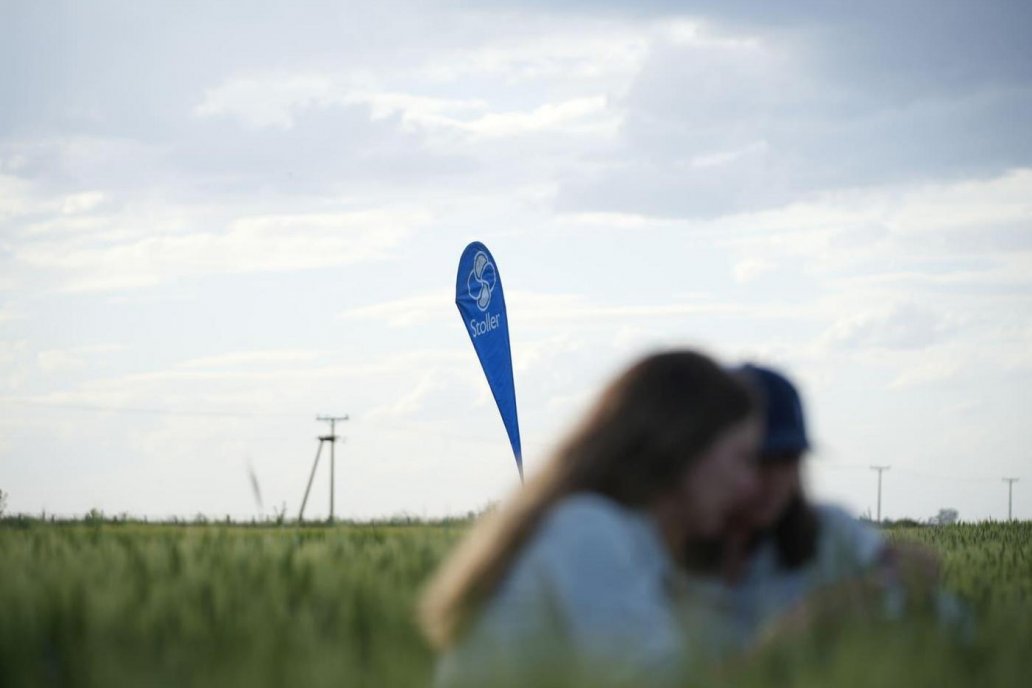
573,578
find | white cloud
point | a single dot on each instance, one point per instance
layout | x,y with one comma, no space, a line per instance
579,115
933,367
59,361
9,350
543,352
250,244
424,392
902,325
66,360
527,307
748,269
598,61
9,313
13,366
971,205
14,196
417,112
550,51
727,157
268,100
275,100
405,312
475,118
83,202
890,230
609,221
237,359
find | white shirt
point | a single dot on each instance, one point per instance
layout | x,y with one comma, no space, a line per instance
727,619
592,588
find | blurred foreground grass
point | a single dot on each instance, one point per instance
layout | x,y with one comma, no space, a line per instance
988,565
160,605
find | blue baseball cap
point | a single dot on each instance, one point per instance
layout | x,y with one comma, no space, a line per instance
786,426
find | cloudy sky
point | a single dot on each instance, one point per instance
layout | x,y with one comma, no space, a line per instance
218,220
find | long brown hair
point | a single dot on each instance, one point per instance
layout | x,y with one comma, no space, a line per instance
647,427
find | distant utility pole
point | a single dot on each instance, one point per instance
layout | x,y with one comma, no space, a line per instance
880,469
332,440
1010,494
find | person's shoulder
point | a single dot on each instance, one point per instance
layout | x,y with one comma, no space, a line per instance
835,514
841,519
586,521
587,505
843,529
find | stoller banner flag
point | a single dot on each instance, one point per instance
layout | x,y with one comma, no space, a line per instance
478,294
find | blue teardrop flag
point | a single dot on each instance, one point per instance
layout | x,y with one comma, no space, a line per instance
478,294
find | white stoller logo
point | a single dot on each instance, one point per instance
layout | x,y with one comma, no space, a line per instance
481,281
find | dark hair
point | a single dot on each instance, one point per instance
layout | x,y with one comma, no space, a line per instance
795,533
648,426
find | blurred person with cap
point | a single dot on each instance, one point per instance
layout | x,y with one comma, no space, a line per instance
781,552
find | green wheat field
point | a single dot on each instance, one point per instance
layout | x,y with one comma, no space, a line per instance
132,604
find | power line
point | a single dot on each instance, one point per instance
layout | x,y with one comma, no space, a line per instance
411,428
423,430
945,476
155,411
821,465
96,408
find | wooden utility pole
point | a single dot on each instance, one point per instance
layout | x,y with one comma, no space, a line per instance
880,470
1010,494
332,440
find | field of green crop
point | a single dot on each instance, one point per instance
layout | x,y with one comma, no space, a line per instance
123,604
